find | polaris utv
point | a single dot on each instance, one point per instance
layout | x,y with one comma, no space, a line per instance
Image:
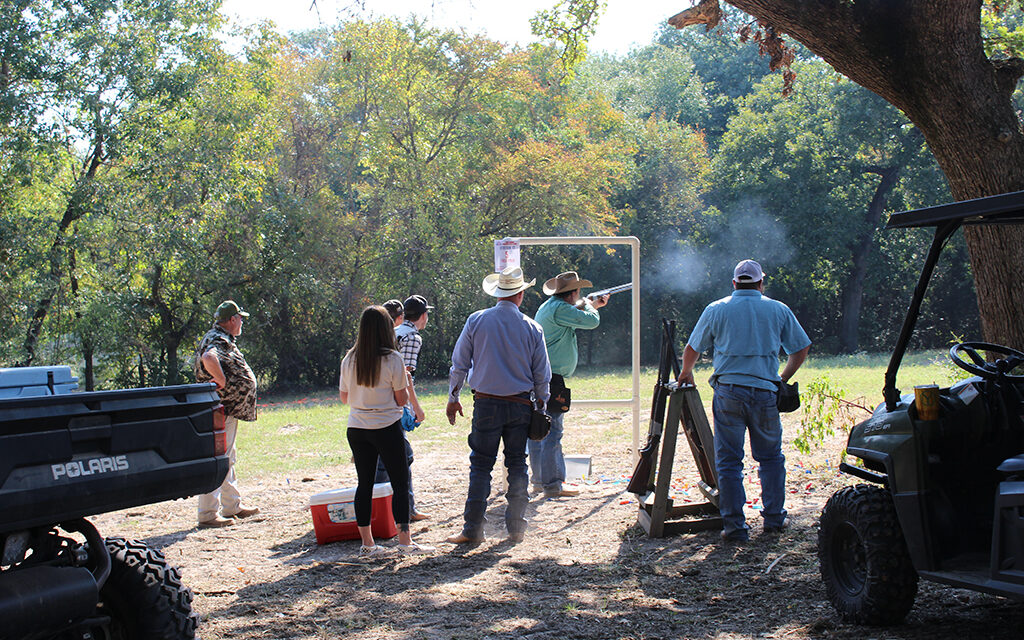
946,499
67,456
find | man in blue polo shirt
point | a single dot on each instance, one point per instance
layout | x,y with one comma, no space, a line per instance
747,330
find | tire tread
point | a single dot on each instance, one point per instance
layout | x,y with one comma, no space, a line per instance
890,583
144,578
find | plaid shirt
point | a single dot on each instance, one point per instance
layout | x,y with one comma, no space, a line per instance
239,393
409,344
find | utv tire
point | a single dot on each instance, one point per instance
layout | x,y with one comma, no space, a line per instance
144,596
867,571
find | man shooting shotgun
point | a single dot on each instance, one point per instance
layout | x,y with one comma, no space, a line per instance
560,316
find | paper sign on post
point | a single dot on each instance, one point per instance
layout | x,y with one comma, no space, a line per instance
506,253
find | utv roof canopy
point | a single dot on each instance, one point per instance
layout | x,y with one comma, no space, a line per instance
1006,208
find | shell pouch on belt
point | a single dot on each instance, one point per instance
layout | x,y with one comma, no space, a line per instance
788,398
561,395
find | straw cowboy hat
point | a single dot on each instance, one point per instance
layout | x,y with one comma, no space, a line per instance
563,282
507,283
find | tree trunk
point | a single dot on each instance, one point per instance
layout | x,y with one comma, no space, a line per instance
287,353
926,57
172,330
90,372
860,251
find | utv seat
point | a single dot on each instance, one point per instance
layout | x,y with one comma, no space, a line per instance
1012,466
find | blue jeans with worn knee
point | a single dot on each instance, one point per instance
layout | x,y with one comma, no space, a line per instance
547,464
739,409
495,421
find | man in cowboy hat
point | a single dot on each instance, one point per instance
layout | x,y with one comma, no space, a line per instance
747,330
560,316
501,352
218,360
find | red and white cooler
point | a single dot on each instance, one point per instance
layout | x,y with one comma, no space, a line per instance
334,514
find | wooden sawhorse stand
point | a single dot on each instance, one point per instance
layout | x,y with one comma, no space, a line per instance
658,516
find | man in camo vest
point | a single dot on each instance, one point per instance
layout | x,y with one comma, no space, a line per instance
219,360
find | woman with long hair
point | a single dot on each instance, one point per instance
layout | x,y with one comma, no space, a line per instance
375,384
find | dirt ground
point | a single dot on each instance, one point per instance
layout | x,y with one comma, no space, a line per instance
585,570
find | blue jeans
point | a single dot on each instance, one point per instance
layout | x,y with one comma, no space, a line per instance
495,421
547,465
738,409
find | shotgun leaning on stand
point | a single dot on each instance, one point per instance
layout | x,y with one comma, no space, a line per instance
641,482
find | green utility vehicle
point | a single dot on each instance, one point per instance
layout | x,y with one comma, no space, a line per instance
946,495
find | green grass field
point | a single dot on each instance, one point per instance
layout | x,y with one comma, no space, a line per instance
295,434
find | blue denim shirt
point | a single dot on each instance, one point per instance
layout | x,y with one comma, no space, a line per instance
502,353
747,330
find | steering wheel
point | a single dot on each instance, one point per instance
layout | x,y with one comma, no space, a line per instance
1001,368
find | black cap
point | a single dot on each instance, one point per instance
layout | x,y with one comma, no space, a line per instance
416,305
394,308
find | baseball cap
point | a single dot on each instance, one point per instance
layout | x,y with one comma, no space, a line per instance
416,305
747,271
229,309
394,307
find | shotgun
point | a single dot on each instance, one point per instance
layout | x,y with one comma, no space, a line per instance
605,292
640,483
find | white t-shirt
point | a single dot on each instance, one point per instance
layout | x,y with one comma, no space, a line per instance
373,407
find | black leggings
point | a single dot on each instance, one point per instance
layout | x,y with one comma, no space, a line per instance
389,444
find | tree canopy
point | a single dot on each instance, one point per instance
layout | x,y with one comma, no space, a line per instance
153,174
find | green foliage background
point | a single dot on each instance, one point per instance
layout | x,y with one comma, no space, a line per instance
147,173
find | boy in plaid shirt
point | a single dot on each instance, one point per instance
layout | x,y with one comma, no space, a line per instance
410,342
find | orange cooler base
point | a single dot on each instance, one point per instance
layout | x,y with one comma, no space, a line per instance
334,514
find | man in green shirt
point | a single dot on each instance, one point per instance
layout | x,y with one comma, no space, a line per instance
560,316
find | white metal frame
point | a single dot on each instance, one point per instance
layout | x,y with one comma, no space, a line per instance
634,244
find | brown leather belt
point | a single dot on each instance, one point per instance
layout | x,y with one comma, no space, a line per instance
519,399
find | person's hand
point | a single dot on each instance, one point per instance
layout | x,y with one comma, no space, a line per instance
685,377
453,407
600,301
418,413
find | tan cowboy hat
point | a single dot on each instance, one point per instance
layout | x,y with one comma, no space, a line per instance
563,282
507,283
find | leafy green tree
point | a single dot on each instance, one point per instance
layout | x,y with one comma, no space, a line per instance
824,162
407,150
174,233
653,81
960,97
84,77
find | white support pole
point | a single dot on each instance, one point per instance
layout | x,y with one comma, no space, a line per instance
634,244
